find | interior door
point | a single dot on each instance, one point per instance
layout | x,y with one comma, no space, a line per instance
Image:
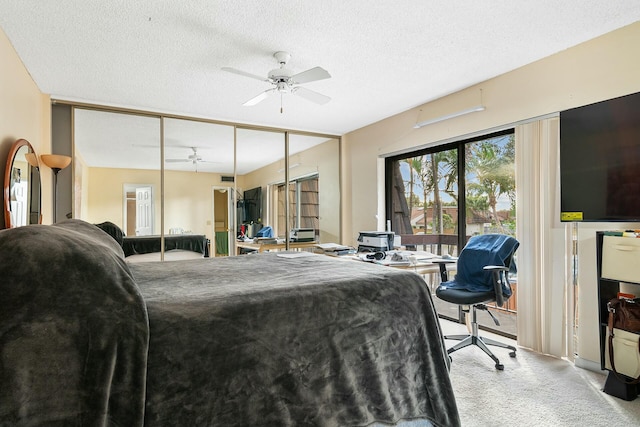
144,211
221,221
231,220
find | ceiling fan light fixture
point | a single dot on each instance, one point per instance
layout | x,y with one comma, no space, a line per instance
283,87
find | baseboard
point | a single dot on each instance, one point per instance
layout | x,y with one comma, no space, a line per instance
589,365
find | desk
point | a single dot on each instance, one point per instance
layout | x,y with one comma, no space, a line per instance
423,267
261,247
423,264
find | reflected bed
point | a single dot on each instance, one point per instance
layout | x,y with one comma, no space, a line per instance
136,245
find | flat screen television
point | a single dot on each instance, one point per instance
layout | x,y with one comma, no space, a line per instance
253,205
600,161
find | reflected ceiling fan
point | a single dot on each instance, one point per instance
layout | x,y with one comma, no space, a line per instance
285,81
194,158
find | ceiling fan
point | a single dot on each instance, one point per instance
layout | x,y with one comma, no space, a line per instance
194,158
285,81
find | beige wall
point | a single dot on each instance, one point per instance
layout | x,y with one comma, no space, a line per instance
603,68
24,113
187,205
188,201
103,189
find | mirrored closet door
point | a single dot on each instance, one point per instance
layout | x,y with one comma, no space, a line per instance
203,184
117,161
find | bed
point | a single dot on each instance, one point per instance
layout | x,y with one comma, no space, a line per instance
136,245
274,339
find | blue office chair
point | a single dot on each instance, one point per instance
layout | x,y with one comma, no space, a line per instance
482,277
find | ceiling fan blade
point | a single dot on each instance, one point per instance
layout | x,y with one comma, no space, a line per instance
310,95
264,95
311,75
244,73
176,160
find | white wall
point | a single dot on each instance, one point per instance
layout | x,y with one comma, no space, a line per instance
600,69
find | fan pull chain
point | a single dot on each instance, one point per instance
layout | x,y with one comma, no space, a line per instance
281,109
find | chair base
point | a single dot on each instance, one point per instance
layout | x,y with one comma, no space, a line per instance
475,339
482,342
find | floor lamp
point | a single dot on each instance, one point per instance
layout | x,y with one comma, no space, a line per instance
56,162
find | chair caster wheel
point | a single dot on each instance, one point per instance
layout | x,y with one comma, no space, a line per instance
499,366
512,354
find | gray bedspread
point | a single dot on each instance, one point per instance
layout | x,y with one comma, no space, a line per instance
73,329
263,340
87,339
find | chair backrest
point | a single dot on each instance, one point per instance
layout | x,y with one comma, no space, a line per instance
480,251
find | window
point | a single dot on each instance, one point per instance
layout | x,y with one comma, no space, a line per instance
433,209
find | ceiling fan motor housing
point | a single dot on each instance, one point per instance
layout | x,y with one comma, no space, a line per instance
280,74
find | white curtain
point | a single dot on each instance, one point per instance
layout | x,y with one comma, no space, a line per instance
545,290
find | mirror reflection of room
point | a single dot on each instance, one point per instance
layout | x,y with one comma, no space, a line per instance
313,197
22,186
221,182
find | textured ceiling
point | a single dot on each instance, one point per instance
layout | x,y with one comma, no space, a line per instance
384,57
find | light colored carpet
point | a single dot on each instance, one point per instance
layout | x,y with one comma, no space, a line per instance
533,390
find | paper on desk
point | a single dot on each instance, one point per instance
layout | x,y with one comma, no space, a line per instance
295,254
332,246
418,255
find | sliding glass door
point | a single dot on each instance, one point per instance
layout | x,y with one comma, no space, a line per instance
437,198
490,208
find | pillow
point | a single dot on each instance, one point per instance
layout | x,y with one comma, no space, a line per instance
112,230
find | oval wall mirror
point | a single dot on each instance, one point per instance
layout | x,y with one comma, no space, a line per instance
22,193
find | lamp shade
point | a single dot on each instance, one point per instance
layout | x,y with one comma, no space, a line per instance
55,161
32,159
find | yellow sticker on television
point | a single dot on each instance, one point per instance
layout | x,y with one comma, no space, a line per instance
571,216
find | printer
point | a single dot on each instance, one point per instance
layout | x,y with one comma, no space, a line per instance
302,235
376,241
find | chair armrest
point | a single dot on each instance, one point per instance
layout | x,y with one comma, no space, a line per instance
497,275
442,264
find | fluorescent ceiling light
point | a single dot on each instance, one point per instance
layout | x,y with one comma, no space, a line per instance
294,165
449,116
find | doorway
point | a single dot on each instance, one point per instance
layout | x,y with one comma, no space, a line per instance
223,221
139,209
